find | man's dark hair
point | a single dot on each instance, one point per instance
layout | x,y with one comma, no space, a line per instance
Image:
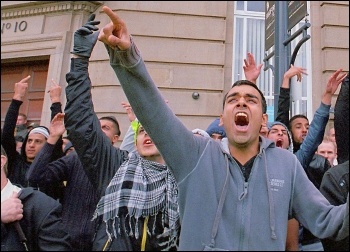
114,121
249,83
295,117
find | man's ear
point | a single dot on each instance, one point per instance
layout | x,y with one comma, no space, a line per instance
221,122
3,161
115,139
265,118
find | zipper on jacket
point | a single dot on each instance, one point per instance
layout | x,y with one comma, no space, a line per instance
245,191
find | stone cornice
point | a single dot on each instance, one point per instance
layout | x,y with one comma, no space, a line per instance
41,7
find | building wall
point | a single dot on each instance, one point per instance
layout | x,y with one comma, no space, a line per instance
329,44
187,47
183,45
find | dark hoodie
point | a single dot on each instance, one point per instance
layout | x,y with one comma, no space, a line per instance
17,163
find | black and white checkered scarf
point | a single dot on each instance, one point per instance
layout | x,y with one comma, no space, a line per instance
141,188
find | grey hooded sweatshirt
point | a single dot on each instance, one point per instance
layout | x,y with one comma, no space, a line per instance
251,215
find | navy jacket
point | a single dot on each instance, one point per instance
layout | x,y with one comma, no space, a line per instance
42,225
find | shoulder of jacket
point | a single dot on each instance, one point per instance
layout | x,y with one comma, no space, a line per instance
25,192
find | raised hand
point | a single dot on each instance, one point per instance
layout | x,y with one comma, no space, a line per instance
292,71
295,71
55,92
115,33
332,85
21,88
85,38
129,111
251,71
56,128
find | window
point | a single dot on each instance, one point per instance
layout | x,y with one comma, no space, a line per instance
249,36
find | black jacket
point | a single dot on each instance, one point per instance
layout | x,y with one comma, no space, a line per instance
80,198
17,163
341,122
335,187
42,225
317,168
100,159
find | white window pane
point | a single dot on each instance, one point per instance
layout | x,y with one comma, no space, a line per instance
238,56
240,5
258,6
249,36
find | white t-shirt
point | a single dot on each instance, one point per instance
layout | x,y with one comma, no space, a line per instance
7,191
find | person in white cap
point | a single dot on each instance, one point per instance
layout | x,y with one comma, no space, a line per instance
19,163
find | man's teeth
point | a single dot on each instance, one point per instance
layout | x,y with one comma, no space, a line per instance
241,114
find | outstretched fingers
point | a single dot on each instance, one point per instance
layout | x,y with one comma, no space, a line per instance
251,59
339,77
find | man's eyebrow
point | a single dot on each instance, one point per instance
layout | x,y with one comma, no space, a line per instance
252,96
245,95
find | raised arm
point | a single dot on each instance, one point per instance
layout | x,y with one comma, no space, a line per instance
7,138
55,96
318,125
42,172
251,71
146,100
128,143
284,97
99,157
56,107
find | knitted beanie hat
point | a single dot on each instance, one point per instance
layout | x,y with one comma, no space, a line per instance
215,128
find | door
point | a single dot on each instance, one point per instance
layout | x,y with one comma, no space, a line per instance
34,99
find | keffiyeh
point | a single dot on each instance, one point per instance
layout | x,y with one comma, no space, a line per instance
141,188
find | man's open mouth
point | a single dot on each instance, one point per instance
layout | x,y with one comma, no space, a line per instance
241,119
147,141
279,143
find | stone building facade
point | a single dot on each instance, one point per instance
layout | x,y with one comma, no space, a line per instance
187,47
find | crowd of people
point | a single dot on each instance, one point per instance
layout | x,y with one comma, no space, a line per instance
241,184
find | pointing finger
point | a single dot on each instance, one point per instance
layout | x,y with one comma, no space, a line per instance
114,18
25,79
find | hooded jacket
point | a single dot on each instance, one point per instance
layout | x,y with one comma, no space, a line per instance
17,163
218,209
270,125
